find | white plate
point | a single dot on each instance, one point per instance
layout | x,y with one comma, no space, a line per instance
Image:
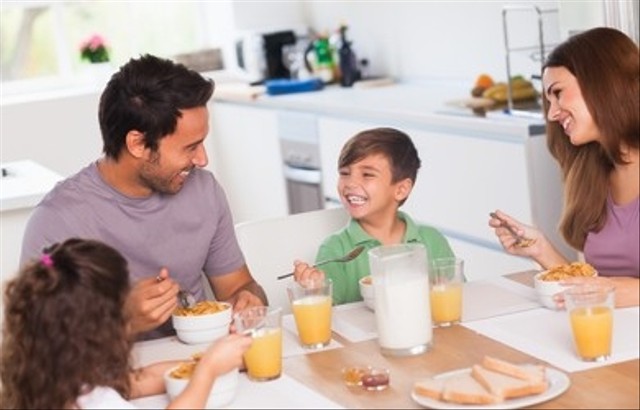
558,383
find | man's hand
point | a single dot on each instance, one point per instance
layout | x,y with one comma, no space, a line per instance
151,302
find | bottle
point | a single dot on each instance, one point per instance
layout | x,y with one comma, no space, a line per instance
348,63
324,59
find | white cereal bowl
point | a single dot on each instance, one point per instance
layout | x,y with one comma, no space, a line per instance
205,328
223,392
546,289
366,291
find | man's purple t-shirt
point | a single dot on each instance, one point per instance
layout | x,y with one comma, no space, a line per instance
189,232
615,250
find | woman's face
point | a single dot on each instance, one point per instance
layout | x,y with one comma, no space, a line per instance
567,107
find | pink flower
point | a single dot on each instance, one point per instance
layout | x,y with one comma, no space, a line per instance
94,49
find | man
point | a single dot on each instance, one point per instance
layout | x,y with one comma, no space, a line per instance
149,197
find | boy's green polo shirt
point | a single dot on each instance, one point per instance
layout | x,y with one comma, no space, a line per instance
345,276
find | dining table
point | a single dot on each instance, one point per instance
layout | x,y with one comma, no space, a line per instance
314,379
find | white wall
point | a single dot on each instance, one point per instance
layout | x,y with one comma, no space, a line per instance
435,39
62,133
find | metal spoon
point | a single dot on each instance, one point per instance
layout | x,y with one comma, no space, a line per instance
521,241
186,298
346,258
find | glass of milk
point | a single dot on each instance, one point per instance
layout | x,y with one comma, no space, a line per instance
401,288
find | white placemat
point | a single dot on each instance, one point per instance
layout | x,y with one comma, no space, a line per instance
481,299
354,321
291,344
496,297
166,348
282,393
546,334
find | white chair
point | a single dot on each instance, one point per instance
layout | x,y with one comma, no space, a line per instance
271,245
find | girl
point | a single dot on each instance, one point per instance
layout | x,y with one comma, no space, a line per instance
67,343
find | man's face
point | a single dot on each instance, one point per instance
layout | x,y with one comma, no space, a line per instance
167,169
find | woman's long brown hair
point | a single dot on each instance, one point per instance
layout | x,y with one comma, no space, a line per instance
65,328
605,64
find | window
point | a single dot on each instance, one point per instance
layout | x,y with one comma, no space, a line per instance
40,40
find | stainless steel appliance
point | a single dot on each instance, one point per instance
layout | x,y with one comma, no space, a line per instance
301,161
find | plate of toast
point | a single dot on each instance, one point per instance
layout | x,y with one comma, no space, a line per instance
492,384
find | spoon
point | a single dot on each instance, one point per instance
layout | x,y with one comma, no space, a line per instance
186,298
521,241
346,258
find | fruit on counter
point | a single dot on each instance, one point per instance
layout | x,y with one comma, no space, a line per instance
521,90
483,82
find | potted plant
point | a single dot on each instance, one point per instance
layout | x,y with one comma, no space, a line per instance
94,50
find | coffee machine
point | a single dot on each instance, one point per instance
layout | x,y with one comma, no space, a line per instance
260,55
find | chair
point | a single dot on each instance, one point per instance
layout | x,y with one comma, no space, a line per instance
271,245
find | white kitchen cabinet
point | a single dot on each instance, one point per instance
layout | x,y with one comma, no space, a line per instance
463,177
247,161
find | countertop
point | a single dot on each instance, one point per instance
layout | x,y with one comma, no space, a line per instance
25,184
431,104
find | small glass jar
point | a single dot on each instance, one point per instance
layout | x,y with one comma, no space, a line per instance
368,377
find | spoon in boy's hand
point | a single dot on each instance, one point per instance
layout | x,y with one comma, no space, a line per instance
521,241
346,258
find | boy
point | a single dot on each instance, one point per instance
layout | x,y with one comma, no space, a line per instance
378,169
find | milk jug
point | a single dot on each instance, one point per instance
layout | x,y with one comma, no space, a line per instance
401,289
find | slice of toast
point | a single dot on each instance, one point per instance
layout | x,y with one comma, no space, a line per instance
464,389
506,386
430,387
532,373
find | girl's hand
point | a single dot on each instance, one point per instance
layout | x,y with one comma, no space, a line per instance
224,355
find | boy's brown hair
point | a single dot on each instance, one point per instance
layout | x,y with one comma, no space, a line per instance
395,145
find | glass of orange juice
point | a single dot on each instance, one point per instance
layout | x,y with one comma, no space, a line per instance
445,294
590,309
264,358
311,305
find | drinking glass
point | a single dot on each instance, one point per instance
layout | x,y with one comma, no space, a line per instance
590,309
445,279
264,358
311,306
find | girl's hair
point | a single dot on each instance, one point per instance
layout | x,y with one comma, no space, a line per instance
605,64
147,95
392,143
65,330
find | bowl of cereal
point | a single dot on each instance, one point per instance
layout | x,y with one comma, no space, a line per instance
547,283
204,322
366,291
222,393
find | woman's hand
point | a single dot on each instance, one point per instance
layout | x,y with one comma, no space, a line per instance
539,249
627,289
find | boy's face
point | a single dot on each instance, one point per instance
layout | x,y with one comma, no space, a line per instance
366,190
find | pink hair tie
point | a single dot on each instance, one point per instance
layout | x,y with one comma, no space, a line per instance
46,260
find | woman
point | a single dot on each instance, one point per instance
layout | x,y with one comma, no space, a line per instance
591,99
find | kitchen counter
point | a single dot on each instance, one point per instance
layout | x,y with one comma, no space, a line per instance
25,184
428,106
